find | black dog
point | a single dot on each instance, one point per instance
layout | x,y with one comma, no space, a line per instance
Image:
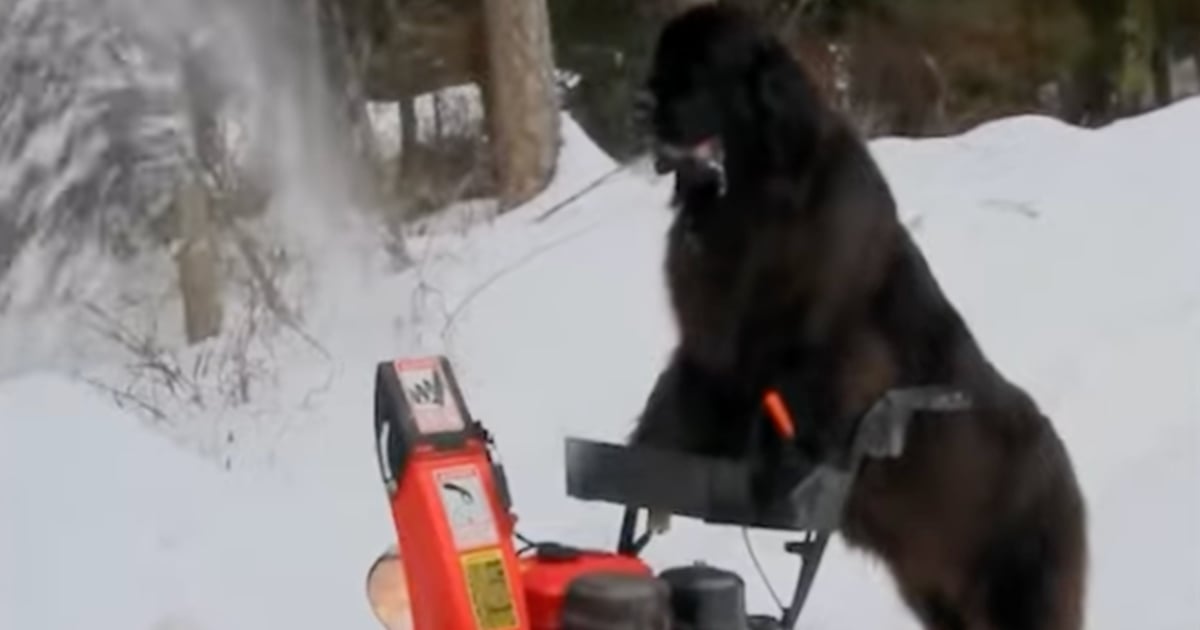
789,270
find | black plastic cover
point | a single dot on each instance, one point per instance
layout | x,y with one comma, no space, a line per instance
417,402
705,597
616,601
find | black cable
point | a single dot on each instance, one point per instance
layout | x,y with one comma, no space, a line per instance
761,573
526,542
579,194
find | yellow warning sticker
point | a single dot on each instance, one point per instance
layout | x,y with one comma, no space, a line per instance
488,587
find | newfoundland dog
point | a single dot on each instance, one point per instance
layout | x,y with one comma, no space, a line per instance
789,271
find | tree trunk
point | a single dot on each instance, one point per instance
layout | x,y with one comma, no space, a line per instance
408,134
340,65
521,97
1093,87
1196,66
406,163
1160,61
414,47
196,259
196,262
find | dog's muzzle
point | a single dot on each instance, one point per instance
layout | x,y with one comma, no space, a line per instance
669,157
703,161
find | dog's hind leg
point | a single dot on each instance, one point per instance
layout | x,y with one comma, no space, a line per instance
1031,582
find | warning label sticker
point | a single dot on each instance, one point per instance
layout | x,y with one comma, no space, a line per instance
487,585
427,391
467,508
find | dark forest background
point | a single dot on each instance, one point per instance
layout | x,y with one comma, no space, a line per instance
919,67
899,67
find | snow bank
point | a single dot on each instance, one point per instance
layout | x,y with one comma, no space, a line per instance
106,525
1071,254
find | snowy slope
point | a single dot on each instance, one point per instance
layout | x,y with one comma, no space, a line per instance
1072,255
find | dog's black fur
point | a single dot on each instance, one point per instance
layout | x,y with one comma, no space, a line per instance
791,270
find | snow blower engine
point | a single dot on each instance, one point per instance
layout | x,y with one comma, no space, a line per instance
456,566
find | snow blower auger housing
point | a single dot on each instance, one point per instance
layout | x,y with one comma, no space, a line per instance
454,523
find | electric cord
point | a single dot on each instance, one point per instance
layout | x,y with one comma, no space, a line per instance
762,574
527,544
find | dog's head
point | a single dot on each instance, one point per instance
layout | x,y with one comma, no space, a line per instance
722,93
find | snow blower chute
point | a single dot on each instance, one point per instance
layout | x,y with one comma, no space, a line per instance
456,567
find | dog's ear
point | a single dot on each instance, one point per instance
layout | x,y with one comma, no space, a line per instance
790,109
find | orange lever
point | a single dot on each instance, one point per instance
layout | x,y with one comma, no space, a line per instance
777,411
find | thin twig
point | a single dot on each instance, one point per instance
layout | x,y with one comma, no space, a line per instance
594,184
122,398
527,258
1022,208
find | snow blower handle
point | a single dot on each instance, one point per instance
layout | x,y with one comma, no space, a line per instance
721,491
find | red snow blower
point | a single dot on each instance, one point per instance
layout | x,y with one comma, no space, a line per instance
456,566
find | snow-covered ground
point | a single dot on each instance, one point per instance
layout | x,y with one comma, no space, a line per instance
1071,253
